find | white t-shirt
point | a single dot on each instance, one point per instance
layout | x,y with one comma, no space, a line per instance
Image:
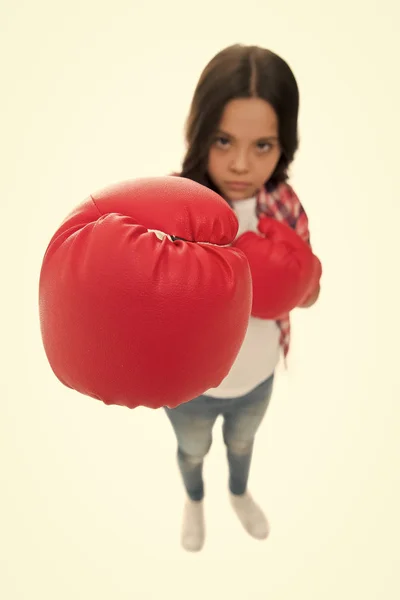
260,352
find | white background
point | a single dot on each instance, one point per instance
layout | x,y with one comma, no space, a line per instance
93,93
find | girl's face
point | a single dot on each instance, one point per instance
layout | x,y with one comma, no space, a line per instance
246,148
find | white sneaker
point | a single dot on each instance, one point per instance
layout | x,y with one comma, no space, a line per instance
193,527
250,515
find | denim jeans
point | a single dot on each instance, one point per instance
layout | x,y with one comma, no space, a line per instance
193,423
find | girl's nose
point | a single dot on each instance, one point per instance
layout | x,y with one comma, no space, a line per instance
240,163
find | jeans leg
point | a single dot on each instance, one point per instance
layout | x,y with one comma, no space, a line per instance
191,469
193,430
241,423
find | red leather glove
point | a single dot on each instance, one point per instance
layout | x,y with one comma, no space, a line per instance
283,267
137,318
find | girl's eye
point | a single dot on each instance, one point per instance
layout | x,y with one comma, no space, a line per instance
222,141
264,146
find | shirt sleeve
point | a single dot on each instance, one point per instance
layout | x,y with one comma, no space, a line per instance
299,219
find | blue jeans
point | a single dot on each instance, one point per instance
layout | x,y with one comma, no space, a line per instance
193,423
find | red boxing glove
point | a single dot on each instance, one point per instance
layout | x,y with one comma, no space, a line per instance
283,267
134,317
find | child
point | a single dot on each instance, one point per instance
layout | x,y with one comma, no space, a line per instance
241,138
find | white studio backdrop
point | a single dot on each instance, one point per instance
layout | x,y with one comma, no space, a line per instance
91,500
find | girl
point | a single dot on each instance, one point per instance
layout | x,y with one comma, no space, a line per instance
241,138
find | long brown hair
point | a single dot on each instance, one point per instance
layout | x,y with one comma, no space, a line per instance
241,71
